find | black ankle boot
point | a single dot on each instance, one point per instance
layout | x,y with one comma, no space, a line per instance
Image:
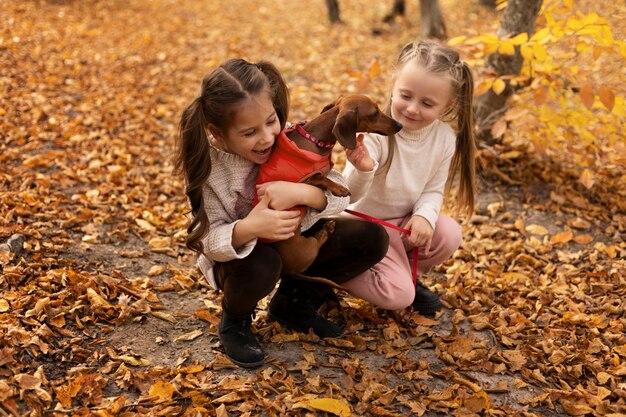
240,345
425,302
296,305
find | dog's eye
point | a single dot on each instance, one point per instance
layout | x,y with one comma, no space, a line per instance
375,114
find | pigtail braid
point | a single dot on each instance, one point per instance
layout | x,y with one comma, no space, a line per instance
464,159
193,158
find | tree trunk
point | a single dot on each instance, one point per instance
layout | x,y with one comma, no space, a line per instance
431,20
333,11
398,9
519,17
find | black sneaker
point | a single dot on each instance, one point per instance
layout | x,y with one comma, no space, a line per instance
240,345
425,302
296,309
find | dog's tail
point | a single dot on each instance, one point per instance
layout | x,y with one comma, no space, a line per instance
317,279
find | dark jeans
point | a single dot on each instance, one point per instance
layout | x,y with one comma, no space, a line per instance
354,247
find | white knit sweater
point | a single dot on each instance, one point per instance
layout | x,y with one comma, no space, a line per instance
228,196
416,178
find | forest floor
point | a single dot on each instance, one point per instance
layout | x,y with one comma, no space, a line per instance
102,311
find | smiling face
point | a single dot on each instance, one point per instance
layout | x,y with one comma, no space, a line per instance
419,97
253,130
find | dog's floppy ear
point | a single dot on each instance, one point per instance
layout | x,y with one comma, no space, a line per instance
345,127
331,105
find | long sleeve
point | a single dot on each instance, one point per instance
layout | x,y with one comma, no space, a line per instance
416,178
428,205
334,204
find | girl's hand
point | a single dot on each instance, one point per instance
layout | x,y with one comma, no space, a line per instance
266,223
360,156
421,233
285,195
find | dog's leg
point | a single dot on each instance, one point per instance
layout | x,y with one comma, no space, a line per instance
298,252
324,183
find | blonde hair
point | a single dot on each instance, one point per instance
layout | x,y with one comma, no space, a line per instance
442,60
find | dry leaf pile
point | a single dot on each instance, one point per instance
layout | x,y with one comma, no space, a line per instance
102,312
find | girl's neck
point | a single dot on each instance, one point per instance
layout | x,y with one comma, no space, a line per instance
418,134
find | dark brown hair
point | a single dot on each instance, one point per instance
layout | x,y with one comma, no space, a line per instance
440,59
222,90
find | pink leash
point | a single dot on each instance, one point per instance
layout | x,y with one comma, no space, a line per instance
393,226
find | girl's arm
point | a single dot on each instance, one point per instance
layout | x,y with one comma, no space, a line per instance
429,202
366,155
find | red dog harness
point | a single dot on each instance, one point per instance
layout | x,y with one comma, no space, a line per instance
290,163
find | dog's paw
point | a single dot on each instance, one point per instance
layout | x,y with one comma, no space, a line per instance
340,191
330,226
328,229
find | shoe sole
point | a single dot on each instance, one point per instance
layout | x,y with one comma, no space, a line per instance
247,364
292,327
428,309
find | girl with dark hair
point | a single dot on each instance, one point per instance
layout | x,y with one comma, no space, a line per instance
224,135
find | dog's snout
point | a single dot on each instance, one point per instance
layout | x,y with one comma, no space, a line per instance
398,126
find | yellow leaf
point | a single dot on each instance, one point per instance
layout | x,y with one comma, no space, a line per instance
189,336
159,244
536,229
330,405
506,47
587,95
587,178
607,97
39,306
527,52
162,389
540,52
498,86
164,316
133,361
96,299
145,225
483,86
611,251
156,270
540,35
4,305
603,377
520,39
457,40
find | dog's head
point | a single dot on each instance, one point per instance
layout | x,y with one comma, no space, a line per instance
358,113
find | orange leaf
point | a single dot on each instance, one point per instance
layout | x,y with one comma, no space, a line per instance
562,237
541,94
163,390
374,70
583,239
607,97
587,178
587,95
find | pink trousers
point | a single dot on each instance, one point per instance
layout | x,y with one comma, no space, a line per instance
389,284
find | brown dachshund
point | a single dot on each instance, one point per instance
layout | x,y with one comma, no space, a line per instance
303,154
